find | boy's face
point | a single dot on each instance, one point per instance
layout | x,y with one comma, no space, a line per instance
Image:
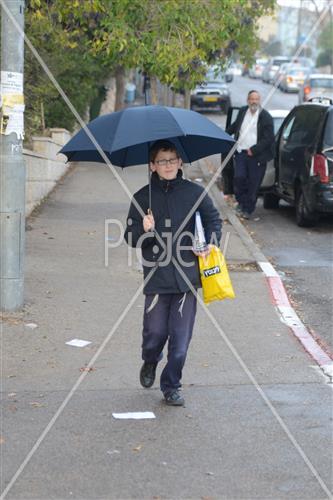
166,164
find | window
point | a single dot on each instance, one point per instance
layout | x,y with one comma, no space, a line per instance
306,125
324,83
287,129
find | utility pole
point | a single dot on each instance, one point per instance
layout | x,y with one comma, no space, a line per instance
12,169
299,25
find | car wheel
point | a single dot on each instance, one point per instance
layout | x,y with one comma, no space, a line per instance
271,201
304,217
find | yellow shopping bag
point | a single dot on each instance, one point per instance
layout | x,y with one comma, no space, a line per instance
215,280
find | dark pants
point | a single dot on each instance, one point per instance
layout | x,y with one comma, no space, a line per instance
248,177
166,321
228,177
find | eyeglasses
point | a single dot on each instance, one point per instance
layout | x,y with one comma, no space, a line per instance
163,163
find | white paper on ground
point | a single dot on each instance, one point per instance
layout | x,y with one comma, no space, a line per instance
137,415
78,342
31,325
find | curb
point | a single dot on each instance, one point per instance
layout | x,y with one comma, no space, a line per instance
278,293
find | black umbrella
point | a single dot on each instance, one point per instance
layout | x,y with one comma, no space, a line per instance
126,136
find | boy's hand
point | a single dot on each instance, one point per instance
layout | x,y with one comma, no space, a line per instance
148,222
205,253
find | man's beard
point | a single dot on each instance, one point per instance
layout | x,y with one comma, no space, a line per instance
254,107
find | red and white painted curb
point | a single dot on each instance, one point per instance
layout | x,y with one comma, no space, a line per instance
289,316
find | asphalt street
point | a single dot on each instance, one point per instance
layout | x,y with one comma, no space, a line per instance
304,257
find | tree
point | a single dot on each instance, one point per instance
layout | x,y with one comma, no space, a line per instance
78,72
175,40
325,43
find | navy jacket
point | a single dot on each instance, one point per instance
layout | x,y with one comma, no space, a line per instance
263,151
171,202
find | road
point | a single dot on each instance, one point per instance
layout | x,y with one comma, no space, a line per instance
303,257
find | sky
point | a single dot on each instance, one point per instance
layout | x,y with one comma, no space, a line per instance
321,4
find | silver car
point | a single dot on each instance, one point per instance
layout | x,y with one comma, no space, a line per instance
272,67
293,78
316,85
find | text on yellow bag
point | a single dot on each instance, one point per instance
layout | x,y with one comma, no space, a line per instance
215,280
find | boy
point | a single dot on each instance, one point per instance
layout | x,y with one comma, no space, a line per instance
170,305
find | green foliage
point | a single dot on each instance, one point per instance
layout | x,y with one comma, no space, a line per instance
84,41
174,40
78,72
325,42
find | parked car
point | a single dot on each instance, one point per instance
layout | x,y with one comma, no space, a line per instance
316,85
257,68
271,68
235,69
292,78
304,162
213,94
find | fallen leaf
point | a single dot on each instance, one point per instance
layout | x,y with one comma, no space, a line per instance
87,369
36,404
205,365
138,448
1,440
11,321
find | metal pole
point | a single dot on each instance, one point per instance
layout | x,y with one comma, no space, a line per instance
147,90
12,169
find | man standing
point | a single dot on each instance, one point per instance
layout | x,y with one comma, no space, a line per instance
254,132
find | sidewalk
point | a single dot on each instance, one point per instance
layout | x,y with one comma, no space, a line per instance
225,444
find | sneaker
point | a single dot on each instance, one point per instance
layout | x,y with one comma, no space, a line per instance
174,399
147,374
238,210
246,215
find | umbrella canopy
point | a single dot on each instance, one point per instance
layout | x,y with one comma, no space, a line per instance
125,136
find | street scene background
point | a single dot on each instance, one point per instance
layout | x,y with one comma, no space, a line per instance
257,423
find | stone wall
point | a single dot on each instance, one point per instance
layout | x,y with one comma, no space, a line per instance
44,167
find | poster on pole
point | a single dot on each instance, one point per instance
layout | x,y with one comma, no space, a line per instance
11,83
12,104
